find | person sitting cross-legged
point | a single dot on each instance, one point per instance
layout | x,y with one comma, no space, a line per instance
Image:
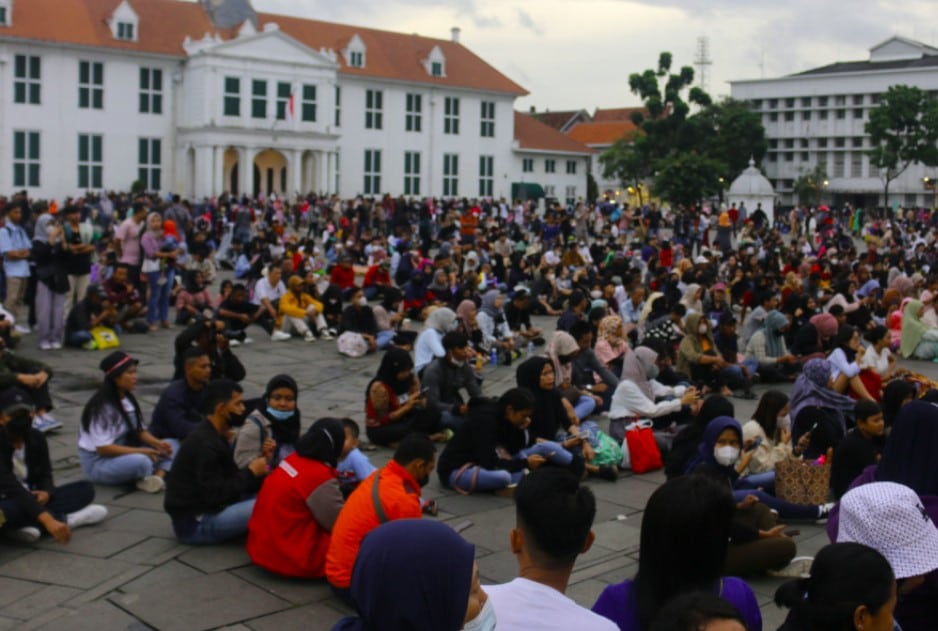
208,497
446,376
177,412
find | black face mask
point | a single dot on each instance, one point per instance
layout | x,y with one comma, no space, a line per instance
565,359
17,428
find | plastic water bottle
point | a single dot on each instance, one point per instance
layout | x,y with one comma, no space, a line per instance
493,358
530,350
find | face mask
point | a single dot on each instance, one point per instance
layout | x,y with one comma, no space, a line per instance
652,372
485,621
784,422
726,456
362,302
702,329
279,415
595,294
550,277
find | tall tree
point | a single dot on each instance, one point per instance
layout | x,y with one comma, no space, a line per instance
810,186
903,130
626,162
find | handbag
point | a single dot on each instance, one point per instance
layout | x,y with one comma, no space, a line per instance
641,454
801,482
150,265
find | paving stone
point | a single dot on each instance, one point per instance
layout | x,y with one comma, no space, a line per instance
210,559
316,617
296,591
203,602
12,590
586,592
144,522
95,541
93,617
35,604
10,623
169,572
617,535
498,567
490,529
60,568
152,550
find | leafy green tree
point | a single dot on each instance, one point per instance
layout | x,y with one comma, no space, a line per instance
626,162
810,186
903,130
686,178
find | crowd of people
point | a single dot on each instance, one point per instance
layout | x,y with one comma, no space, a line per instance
658,327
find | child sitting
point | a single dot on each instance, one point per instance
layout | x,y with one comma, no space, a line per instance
861,447
354,466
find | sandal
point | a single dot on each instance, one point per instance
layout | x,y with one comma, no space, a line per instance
430,508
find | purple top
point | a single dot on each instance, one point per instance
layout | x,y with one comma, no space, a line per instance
617,602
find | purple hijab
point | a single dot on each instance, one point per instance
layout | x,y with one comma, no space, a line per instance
811,389
704,455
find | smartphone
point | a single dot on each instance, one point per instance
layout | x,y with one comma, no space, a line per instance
754,444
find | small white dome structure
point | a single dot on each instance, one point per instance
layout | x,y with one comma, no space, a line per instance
753,189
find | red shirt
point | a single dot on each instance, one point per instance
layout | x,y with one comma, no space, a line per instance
342,276
376,275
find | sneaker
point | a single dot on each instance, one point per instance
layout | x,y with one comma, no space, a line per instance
248,340
309,337
151,484
280,336
800,567
45,423
90,345
823,510
326,335
28,534
23,330
56,346
91,514
234,343
331,331
45,346
507,491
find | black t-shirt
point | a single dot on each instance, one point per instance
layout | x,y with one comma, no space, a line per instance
77,264
852,456
79,318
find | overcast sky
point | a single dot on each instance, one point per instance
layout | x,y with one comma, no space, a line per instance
579,53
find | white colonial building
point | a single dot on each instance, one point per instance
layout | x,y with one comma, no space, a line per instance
817,117
199,98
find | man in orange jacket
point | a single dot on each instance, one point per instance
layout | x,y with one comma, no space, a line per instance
392,492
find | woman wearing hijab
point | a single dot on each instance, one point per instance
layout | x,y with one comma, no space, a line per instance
611,345
685,443
767,346
439,291
562,350
813,340
443,595
160,270
636,396
394,405
918,341
496,334
289,530
699,357
693,298
429,344
51,290
277,420
817,410
468,324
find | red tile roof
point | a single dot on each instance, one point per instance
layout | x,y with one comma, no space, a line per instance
164,24
618,114
602,134
557,120
533,134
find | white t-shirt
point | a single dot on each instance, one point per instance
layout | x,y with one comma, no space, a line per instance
840,365
876,361
262,289
523,604
101,435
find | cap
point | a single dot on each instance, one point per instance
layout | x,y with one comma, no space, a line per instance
719,287
891,519
294,283
116,363
701,260
13,400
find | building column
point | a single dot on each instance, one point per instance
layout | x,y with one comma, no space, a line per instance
330,172
217,177
248,182
297,174
322,177
203,172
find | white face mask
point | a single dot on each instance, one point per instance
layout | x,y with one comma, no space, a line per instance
702,329
485,621
726,456
362,302
596,294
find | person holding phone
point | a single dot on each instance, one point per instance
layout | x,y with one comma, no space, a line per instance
394,405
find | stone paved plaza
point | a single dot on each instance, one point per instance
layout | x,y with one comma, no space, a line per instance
129,572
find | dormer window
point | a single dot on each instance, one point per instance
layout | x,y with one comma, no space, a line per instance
125,30
354,53
124,22
435,63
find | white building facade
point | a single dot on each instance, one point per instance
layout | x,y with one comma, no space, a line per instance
156,92
817,117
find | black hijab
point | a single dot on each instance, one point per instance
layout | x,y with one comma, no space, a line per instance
285,432
548,415
323,442
396,360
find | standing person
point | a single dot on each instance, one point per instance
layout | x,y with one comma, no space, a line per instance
392,492
553,525
113,446
296,509
127,242
52,285
79,246
684,542
208,497
15,247
159,265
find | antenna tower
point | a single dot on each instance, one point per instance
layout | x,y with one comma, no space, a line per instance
703,62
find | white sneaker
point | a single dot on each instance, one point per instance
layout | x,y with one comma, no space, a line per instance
234,343
56,346
45,423
331,331
25,330
45,346
29,534
326,335
91,514
248,340
309,337
280,336
151,484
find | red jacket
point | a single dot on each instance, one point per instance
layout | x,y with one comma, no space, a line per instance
290,527
376,276
344,277
399,494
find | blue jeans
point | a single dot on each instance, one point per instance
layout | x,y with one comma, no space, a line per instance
225,525
383,338
79,338
786,510
764,481
734,374
127,469
485,479
451,421
158,304
554,453
584,407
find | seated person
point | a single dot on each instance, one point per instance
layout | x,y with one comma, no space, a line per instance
359,318
818,411
194,297
518,315
611,345
32,377
113,446
446,376
563,350
297,506
377,279
860,448
29,498
342,276
206,491
740,370
918,340
178,410
301,313
638,393
699,357
587,371
274,427
394,404
354,466
91,311
845,371
124,296
496,335
268,291
390,316
813,339
429,342
480,459
669,328
210,335
877,363
768,350
768,435
553,526
237,312
396,495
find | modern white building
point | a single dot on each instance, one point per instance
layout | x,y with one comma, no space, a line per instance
549,162
200,98
817,117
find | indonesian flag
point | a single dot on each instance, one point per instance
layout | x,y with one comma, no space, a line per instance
291,109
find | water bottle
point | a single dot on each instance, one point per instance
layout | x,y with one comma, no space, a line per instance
530,351
494,357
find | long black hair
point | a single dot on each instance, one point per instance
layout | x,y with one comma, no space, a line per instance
323,441
842,341
766,414
109,396
684,539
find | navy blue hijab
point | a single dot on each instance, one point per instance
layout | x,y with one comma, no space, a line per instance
704,455
909,455
411,575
